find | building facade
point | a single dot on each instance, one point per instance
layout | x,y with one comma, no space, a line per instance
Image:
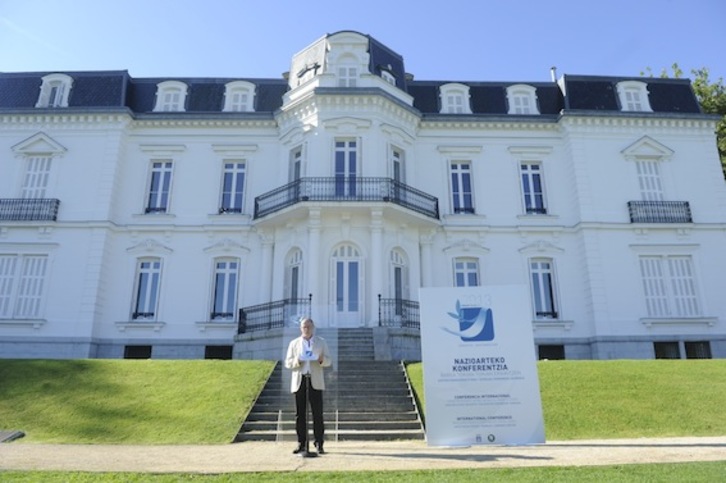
192,217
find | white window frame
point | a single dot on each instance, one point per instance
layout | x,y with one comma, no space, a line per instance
343,257
158,194
633,96
55,90
239,96
38,169
543,284
234,171
669,286
455,99
462,201
463,269
225,287
171,96
522,99
23,278
146,306
649,179
531,174
388,77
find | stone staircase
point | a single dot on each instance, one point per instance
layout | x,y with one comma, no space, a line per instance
364,399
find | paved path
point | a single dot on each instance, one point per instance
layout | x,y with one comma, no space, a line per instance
352,456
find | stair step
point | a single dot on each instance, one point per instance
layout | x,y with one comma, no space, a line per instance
335,435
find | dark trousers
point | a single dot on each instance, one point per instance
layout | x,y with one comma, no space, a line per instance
316,404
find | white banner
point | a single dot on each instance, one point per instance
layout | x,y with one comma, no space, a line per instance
479,367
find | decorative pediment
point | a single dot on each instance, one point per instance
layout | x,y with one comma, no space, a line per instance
39,143
540,246
149,246
347,124
466,246
647,148
226,246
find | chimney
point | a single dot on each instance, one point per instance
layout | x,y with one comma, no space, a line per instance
553,73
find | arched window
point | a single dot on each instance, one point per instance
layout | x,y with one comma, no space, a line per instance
454,99
170,96
633,96
54,91
294,275
522,99
239,96
347,285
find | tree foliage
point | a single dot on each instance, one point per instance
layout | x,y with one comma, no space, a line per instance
711,96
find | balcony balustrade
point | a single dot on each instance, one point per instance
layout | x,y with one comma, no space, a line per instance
347,189
288,312
21,209
659,212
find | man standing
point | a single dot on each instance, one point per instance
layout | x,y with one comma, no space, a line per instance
306,357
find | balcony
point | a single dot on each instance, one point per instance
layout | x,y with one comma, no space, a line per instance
350,189
287,313
20,209
659,212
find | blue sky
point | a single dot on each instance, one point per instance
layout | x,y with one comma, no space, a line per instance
455,40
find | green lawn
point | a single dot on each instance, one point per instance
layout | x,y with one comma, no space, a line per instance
626,398
205,402
128,401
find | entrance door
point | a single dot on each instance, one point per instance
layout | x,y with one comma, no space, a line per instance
347,310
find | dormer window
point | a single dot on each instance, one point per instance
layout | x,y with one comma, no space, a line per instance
347,72
388,77
522,99
239,96
54,91
170,96
454,99
634,96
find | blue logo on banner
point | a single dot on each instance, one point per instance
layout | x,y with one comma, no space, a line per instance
475,323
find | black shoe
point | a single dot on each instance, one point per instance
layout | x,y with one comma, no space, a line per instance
319,447
300,449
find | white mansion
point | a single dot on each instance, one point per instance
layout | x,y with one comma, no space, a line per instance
194,217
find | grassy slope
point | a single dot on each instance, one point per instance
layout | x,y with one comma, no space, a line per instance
178,402
626,399
125,401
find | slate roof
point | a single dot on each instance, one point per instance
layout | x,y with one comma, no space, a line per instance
116,89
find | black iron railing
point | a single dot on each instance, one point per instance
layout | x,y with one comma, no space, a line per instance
20,209
398,313
273,315
353,189
659,212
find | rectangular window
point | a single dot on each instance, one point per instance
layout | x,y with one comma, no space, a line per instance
148,279
347,76
226,274
551,352
543,290
667,350
649,181
36,177
462,199
698,350
233,182
522,104
669,286
455,103
633,101
137,352
159,187
466,272
532,188
346,167
22,285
